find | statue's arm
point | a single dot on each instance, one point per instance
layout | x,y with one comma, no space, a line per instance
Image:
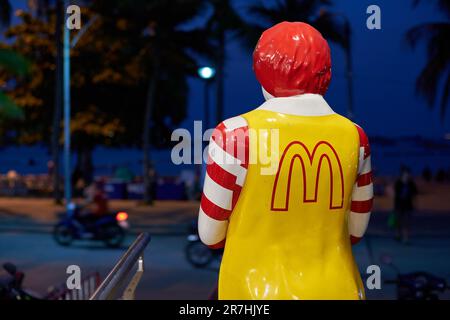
225,176
362,196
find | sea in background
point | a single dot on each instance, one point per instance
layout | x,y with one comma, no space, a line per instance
388,155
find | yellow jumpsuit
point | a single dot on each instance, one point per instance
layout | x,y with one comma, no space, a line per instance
287,237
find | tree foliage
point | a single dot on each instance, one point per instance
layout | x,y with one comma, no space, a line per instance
110,70
318,13
435,36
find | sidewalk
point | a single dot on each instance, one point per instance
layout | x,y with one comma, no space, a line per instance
174,217
39,215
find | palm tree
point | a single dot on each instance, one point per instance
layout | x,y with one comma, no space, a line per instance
168,47
313,12
223,21
167,51
435,35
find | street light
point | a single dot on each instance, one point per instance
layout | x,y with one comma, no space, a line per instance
67,45
207,75
66,102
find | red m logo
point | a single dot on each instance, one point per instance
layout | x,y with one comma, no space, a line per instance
311,164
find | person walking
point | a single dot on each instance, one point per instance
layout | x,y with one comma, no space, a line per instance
405,192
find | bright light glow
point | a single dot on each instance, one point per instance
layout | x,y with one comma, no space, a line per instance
206,72
121,216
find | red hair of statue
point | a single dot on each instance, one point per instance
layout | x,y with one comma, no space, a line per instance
292,58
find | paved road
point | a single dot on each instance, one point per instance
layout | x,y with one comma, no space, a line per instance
169,276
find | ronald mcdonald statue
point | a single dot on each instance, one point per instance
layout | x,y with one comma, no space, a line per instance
288,188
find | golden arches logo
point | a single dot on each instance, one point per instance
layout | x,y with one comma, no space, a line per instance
311,164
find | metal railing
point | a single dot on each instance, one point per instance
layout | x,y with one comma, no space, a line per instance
116,278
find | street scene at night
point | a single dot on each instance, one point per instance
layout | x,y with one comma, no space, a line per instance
224,150
170,276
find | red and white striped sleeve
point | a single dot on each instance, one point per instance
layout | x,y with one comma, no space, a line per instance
226,171
362,196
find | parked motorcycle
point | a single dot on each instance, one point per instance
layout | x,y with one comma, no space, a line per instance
11,285
418,285
198,254
111,228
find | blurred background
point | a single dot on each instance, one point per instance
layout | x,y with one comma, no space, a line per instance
86,116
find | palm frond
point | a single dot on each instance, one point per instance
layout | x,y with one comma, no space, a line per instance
428,80
194,40
435,37
249,35
224,17
314,12
429,32
333,29
267,15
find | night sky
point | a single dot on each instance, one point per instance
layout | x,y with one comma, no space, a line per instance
384,68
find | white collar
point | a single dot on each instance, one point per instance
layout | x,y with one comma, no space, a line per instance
302,105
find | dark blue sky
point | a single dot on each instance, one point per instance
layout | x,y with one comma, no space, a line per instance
385,70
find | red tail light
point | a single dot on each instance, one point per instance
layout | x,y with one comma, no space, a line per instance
121,216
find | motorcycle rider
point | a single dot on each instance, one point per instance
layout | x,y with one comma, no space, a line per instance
96,199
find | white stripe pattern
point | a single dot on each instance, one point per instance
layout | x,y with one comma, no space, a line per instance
366,166
217,200
235,123
227,162
217,194
211,231
361,159
363,193
358,224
